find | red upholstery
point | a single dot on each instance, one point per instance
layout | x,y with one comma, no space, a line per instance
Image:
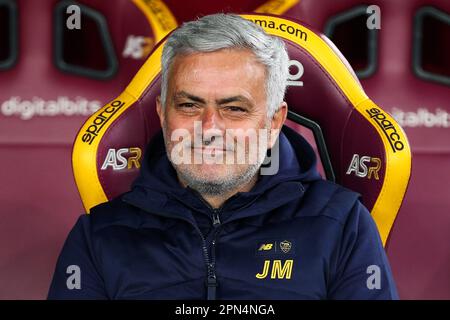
419,249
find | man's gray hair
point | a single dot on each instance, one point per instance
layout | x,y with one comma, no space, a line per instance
227,31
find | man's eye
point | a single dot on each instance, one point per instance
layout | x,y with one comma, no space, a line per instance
187,105
235,109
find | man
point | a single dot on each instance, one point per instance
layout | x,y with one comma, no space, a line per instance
203,220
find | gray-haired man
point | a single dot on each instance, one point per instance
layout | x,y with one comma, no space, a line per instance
201,221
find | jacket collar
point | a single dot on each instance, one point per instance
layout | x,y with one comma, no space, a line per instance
157,190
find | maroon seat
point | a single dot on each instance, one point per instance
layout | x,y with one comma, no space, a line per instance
404,67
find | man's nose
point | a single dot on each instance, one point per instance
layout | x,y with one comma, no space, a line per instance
211,119
212,126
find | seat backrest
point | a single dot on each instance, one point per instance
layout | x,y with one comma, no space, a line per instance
368,151
405,67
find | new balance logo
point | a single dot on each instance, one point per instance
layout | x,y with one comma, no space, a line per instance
266,247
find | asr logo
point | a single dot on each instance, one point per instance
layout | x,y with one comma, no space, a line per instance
279,270
124,158
364,167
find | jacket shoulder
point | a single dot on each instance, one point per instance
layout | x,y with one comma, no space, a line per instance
328,199
114,212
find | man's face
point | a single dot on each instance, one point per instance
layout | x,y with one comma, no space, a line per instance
214,100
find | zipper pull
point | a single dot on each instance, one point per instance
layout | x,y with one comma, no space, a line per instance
216,218
212,285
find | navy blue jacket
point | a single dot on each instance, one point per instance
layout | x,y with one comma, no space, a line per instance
293,236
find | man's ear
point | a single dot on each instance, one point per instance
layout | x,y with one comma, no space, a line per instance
160,110
277,123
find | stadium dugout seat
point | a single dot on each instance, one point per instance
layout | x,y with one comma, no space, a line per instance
360,145
51,79
405,67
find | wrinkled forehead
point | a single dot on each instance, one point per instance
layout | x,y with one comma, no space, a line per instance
227,59
225,72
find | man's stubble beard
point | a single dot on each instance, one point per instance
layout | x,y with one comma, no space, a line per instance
211,185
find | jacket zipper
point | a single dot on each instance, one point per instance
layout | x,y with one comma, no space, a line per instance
211,283
211,280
